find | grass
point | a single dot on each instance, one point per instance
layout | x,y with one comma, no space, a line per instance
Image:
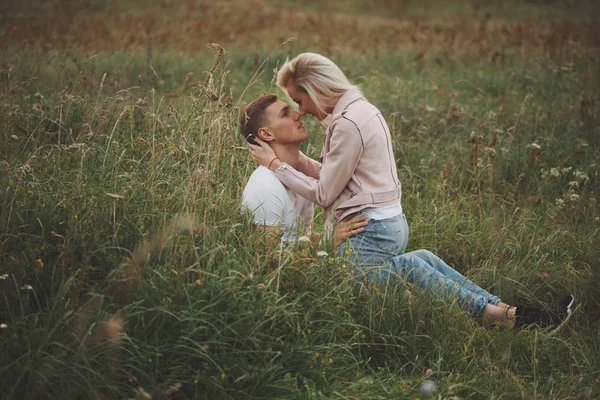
130,271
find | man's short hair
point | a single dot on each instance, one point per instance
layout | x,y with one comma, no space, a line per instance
253,116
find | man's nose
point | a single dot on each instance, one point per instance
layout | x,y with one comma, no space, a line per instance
299,114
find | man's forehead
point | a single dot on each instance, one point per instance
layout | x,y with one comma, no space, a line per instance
276,107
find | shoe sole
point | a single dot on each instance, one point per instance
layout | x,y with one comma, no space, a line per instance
570,312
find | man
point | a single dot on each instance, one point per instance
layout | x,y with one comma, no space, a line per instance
275,208
281,212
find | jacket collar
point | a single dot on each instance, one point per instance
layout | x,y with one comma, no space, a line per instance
349,97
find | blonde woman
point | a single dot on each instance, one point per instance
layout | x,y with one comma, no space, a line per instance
358,171
358,177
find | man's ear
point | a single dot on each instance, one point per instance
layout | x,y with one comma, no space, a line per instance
264,135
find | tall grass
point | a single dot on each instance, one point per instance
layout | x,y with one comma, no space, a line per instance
128,269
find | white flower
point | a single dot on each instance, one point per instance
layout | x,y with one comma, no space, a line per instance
535,146
565,170
4,276
304,239
429,108
581,175
554,172
428,388
560,202
27,287
3,326
322,254
573,183
574,197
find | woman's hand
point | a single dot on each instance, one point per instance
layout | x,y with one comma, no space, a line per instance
263,154
345,229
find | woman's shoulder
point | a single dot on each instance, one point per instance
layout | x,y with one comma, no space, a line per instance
359,114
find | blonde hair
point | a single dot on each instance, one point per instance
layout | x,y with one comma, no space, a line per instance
316,75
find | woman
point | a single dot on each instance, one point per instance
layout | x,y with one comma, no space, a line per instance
358,175
358,172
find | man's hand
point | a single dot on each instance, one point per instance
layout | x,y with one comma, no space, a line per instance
263,154
345,229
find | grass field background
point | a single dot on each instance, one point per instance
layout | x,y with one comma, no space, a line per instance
127,269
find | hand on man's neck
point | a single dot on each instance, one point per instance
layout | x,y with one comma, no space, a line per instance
289,154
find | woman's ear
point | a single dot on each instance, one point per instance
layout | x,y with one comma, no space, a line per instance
264,135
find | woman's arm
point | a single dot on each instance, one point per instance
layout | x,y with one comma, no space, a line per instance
308,166
345,150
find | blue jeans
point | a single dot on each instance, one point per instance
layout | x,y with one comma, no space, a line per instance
378,254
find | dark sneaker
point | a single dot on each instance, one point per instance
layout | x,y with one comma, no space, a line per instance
554,319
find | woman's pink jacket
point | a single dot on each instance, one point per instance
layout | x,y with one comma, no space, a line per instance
358,169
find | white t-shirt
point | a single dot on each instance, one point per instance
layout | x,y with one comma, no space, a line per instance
272,204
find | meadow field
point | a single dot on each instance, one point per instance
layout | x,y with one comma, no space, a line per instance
128,269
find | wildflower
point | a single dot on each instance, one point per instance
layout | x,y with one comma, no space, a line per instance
322,254
580,175
554,172
43,247
40,262
4,276
560,202
3,326
330,360
76,216
29,192
567,169
213,205
574,197
27,287
309,331
12,183
343,265
195,381
331,259
535,146
198,281
317,355
404,386
304,239
222,376
573,183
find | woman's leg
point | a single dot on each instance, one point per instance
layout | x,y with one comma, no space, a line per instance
413,268
451,273
381,240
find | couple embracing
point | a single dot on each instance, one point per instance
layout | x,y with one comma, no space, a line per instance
357,185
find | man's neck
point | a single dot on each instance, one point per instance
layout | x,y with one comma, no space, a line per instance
289,154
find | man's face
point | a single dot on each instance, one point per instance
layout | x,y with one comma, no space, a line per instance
305,104
284,124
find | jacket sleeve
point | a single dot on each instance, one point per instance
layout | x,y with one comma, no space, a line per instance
308,166
345,150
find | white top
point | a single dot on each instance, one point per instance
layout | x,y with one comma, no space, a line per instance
385,212
272,204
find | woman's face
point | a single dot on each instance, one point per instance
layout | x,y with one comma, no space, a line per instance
305,103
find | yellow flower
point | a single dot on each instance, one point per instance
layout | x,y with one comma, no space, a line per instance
76,216
222,376
43,247
330,360
40,262
195,381
198,281
309,331
30,192
12,183
317,354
